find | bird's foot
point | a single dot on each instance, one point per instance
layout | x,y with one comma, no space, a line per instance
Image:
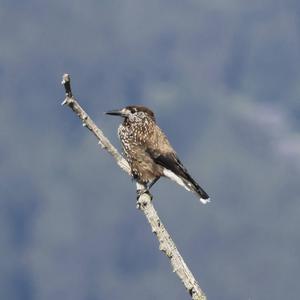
141,201
139,193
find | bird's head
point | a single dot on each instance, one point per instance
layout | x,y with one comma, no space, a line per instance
133,113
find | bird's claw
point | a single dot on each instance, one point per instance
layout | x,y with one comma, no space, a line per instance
143,191
138,197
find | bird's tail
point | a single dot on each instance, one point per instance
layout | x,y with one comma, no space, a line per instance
193,186
188,183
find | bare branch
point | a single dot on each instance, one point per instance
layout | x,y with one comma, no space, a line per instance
167,246
144,203
88,123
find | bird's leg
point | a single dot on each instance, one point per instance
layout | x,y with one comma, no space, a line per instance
152,183
142,189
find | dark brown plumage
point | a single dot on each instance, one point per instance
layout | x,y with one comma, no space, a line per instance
149,153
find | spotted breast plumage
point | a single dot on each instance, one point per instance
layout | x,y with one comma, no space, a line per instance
149,153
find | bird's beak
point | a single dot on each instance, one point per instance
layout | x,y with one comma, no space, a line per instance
121,113
114,112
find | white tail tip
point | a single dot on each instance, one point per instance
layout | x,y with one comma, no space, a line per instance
204,201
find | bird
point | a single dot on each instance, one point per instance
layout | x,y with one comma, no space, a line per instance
149,153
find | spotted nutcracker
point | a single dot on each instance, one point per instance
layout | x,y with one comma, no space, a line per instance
149,153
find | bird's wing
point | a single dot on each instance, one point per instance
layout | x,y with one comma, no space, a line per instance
171,162
160,150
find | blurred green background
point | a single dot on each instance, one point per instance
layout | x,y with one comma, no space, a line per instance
223,78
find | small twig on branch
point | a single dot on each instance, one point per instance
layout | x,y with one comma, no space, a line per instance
144,203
